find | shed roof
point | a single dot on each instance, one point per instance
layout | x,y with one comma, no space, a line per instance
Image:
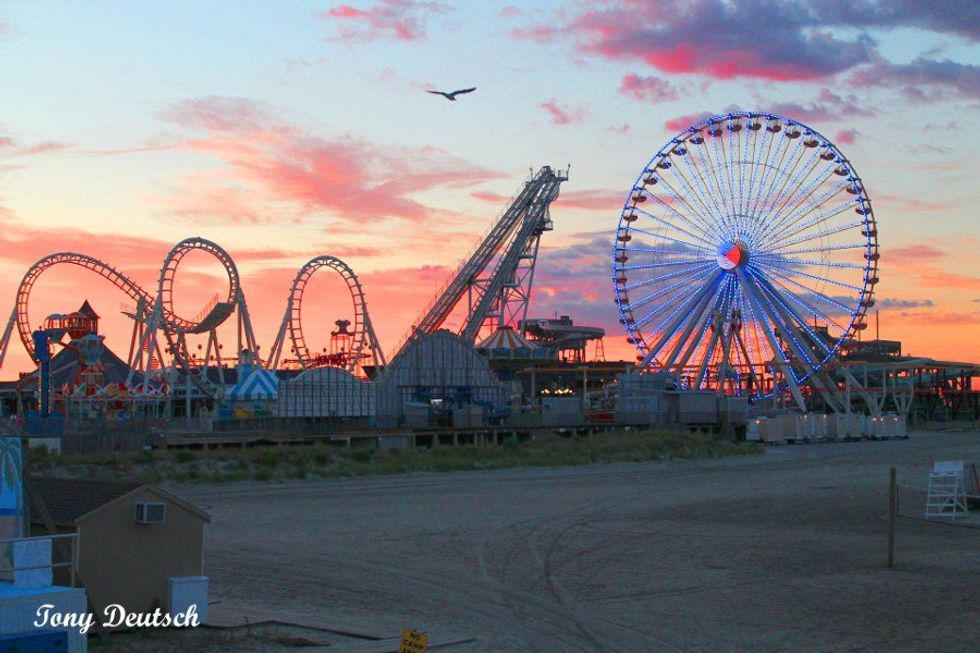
68,500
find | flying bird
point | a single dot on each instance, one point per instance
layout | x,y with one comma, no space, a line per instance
452,96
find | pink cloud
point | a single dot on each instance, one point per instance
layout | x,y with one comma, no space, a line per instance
681,123
781,42
913,204
847,136
936,278
15,147
12,148
563,114
922,262
948,318
489,196
355,251
271,161
397,296
402,19
542,35
648,89
21,245
923,80
588,200
591,200
917,252
45,146
777,41
828,107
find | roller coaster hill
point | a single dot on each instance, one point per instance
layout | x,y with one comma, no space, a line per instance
475,356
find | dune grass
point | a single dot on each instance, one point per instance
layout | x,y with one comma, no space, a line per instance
279,463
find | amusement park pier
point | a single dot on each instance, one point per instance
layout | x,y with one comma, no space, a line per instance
743,269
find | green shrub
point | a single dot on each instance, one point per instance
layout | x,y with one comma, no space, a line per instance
362,455
185,456
39,454
267,458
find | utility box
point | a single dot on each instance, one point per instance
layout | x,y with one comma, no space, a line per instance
416,414
28,553
697,407
19,612
44,641
561,411
187,591
641,399
468,416
734,410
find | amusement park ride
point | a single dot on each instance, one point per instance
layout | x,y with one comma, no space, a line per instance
159,331
355,347
738,235
495,280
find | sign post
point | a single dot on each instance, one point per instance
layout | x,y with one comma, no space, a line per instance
892,511
413,641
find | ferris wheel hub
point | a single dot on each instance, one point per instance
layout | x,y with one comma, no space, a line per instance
732,255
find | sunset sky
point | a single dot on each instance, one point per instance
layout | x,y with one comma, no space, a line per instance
284,130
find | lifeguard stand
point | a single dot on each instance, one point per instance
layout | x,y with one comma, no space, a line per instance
947,491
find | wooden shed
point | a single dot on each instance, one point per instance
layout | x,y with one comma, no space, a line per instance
132,538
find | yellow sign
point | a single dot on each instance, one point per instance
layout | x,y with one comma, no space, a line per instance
413,641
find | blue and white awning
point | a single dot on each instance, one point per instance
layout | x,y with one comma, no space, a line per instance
256,384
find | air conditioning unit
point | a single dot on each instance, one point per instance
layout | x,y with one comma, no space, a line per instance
148,512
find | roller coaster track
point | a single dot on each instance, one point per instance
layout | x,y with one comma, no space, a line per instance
155,313
104,270
292,321
171,322
221,310
496,278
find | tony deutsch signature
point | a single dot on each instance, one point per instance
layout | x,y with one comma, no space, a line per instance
116,616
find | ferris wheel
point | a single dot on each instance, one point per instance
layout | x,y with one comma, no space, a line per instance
746,255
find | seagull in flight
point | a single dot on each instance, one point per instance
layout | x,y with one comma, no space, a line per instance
452,96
